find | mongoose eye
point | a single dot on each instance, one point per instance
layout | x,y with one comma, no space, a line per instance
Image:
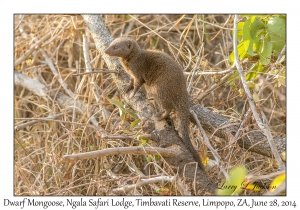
115,47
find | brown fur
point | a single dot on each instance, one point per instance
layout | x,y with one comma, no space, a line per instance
163,79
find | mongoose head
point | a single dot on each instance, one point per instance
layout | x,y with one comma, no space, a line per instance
122,47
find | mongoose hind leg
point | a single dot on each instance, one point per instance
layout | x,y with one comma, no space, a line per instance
163,115
164,107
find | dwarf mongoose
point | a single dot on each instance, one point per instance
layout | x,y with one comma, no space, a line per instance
164,81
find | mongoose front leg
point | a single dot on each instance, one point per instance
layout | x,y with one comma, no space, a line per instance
137,83
129,85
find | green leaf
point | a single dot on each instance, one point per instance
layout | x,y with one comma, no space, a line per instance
157,157
265,51
240,27
250,75
241,52
274,71
283,17
122,114
142,143
92,147
250,84
232,84
132,113
120,105
142,138
255,97
149,158
277,182
283,155
232,186
250,34
232,79
281,78
116,103
255,27
254,71
276,27
241,92
134,123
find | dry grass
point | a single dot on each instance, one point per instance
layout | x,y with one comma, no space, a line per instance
39,167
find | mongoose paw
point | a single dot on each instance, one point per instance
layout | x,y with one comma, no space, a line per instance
158,117
128,87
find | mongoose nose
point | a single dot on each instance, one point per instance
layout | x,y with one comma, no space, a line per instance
109,51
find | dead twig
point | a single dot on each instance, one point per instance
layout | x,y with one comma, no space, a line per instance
251,178
51,117
33,48
96,72
56,74
194,70
63,100
216,72
141,183
190,59
123,150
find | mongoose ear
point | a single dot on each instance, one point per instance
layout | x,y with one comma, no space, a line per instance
129,44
